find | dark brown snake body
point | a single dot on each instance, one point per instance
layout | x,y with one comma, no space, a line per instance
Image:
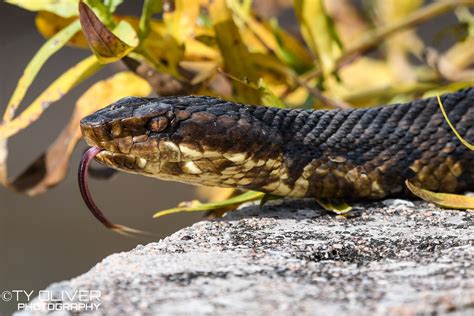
350,154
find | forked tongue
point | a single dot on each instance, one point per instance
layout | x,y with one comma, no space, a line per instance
87,197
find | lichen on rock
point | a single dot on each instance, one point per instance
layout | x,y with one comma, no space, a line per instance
291,257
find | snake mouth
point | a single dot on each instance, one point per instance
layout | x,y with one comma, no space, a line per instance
125,162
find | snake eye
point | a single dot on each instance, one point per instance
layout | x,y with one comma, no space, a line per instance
158,124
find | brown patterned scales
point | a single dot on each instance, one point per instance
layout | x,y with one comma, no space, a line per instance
350,154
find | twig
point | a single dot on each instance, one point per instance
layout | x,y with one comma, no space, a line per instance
374,38
391,91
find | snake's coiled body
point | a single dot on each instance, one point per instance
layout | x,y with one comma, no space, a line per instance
352,154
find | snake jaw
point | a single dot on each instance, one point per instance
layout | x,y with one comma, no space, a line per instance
183,139
124,162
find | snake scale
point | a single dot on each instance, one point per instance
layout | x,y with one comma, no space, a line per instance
350,154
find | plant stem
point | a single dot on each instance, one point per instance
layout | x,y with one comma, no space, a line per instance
374,38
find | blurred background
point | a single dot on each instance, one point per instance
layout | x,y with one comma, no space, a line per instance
53,236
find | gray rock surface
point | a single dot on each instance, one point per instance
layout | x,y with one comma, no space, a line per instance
397,257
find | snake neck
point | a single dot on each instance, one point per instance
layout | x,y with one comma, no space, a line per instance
369,153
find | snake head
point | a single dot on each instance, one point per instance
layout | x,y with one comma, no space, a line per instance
193,139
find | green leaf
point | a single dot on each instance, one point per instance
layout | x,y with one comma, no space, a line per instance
48,49
456,201
150,7
112,4
196,206
268,97
335,206
68,8
64,8
106,46
125,32
100,10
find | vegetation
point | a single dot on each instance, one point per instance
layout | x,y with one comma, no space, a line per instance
338,57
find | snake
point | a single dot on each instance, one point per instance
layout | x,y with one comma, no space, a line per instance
350,154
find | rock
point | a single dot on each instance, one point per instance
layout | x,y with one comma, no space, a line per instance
294,258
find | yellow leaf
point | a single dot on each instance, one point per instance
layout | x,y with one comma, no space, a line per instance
447,88
290,50
181,22
196,206
3,162
361,76
54,92
456,201
49,24
51,167
351,24
267,97
234,53
318,32
63,8
196,50
125,32
163,52
454,64
285,46
397,46
107,91
390,11
47,50
201,70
